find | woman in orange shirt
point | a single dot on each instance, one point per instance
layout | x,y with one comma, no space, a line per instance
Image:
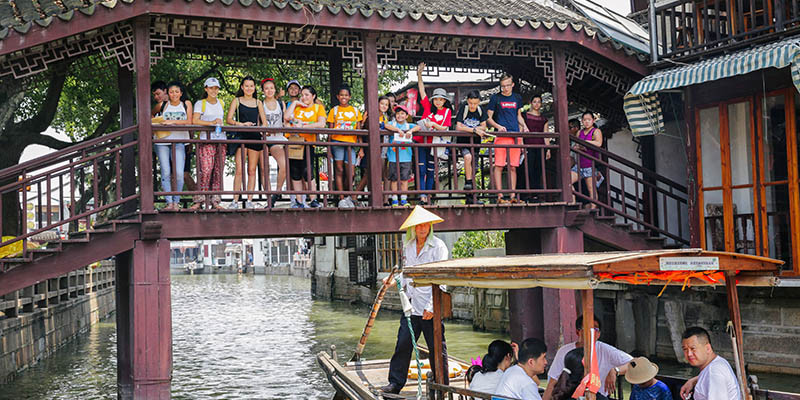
304,112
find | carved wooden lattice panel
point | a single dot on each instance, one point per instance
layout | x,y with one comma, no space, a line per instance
115,42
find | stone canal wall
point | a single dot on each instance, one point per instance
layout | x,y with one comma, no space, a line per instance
38,320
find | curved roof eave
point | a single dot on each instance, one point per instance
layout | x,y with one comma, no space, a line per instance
34,32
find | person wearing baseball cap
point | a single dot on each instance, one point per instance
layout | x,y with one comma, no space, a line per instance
400,158
420,247
644,385
209,111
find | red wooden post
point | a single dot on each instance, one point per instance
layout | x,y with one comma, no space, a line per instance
561,110
371,99
736,317
438,356
144,321
560,308
141,46
691,172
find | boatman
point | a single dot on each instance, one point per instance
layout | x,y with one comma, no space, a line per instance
420,247
716,380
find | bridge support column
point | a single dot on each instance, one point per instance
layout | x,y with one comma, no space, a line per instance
144,322
559,305
524,305
543,313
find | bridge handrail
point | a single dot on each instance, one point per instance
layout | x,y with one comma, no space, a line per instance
648,185
57,156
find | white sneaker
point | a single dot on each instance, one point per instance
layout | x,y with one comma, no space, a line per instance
249,204
346,203
234,205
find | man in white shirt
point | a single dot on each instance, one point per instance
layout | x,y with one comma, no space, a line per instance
518,380
612,362
716,380
422,248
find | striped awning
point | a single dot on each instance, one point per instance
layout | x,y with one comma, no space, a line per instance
642,106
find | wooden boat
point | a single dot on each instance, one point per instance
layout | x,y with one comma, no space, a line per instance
585,271
361,380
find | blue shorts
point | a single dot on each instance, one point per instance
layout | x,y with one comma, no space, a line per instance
584,173
338,152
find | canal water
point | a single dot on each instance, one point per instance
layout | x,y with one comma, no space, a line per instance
234,337
245,337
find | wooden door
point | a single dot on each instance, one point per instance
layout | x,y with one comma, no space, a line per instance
727,177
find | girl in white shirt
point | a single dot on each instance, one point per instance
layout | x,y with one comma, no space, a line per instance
494,363
274,110
176,111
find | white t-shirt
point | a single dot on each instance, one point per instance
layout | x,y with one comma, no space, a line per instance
608,357
486,382
213,111
516,384
717,382
174,113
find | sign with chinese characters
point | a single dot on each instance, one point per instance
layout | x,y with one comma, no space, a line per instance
688,263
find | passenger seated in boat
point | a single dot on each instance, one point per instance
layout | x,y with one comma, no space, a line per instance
612,362
644,385
518,381
716,379
571,375
494,363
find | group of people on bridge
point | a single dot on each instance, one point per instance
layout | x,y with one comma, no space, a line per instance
511,370
300,107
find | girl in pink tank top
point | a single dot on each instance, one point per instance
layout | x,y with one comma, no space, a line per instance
584,168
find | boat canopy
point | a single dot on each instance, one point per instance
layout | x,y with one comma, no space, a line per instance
685,267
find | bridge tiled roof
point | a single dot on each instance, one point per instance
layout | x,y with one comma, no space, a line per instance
21,15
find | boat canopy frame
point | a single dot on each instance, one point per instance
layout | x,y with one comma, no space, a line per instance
585,271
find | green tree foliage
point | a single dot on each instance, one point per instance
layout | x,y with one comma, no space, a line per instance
470,241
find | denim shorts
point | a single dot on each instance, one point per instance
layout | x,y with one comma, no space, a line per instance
339,151
584,173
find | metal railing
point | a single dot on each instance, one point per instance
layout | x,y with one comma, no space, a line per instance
691,27
71,189
632,194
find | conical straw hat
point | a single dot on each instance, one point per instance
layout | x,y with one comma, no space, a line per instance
640,371
418,216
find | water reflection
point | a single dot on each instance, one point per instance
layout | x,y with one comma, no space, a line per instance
242,337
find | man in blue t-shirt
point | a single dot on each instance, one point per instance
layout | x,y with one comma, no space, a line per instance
504,112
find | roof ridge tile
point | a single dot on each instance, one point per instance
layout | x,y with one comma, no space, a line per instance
43,22
88,10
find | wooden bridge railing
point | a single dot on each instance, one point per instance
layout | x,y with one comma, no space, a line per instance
69,190
633,194
696,27
50,292
319,166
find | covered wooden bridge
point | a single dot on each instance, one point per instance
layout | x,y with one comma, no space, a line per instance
108,182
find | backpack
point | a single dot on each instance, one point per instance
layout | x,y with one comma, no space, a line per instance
466,112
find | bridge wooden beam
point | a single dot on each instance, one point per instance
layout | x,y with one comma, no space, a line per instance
371,100
330,221
144,321
141,50
79,255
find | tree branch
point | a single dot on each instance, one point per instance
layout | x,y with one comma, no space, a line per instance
44,117
48,141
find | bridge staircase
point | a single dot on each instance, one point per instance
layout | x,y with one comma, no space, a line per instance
93,191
